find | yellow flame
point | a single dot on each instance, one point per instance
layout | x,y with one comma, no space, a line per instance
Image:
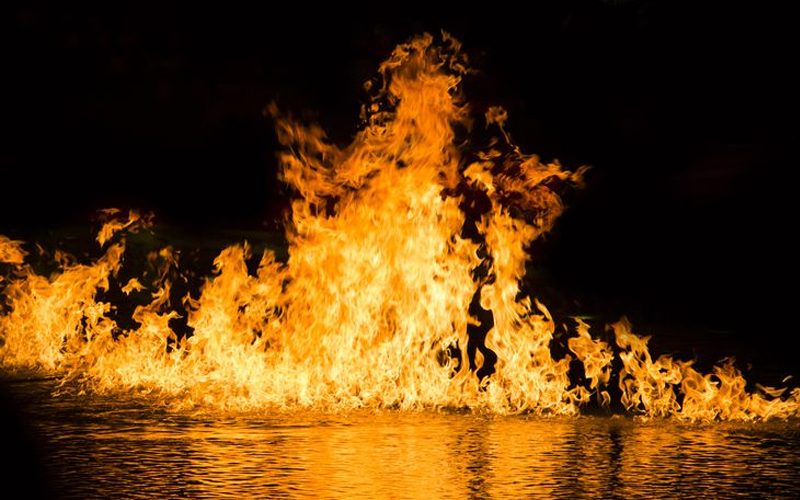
52,319
401,290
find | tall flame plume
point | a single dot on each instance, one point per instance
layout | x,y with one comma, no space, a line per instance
402,287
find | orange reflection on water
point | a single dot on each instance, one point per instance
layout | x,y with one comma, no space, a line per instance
118,448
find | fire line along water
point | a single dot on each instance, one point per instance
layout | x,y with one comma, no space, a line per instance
406,251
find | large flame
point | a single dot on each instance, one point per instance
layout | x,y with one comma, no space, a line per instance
401,290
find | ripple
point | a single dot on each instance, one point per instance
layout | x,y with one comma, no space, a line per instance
101,448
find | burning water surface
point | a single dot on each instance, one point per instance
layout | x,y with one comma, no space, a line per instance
401,288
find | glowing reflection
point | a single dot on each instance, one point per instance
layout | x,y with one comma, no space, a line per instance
123,448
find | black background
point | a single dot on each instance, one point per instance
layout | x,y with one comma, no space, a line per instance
683,110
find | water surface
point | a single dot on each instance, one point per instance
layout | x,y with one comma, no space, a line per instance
93,447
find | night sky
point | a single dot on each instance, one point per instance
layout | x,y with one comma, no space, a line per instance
681,111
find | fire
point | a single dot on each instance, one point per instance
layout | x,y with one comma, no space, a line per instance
401,290
11,251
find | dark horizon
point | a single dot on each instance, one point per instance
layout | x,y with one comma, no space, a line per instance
680,110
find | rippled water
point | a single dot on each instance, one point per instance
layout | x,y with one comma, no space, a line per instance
91,447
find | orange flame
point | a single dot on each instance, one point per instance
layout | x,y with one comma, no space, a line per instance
399,292
11,251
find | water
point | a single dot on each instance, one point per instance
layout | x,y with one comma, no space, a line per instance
92,447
